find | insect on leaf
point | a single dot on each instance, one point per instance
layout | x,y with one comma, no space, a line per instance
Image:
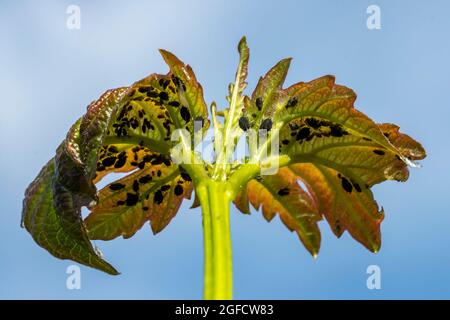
152,194
335,150
126,130
339,172
281,194
266,93
330,154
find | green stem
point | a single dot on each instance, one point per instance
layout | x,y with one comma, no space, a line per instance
248,171
215,198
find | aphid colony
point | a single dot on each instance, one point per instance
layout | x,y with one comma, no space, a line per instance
153,166
133,116
150,109
301,130
153,106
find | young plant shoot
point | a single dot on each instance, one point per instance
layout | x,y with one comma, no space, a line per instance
310,155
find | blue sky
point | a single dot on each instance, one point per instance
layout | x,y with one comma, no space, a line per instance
48,75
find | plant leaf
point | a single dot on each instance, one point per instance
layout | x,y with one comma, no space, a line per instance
362,159
157,105
122,158
266,93
320,100
235,97
41,219
323,101
365,161
226,136
339,170
140,117
94,125
139,138
189,91
153,193
335,150
72,186
241,73
344,207
407,146
282,194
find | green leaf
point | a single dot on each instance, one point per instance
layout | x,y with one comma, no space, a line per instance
70,187
153,193
266,93
331,155
320,100
235,97
323,101
154,107
226,136
335,150
237,88
339,169
122,158
188,90
139,138
42,221
344,205
282,194
94,126
365,160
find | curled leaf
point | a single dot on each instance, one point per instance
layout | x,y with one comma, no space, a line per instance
126,129
41,219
